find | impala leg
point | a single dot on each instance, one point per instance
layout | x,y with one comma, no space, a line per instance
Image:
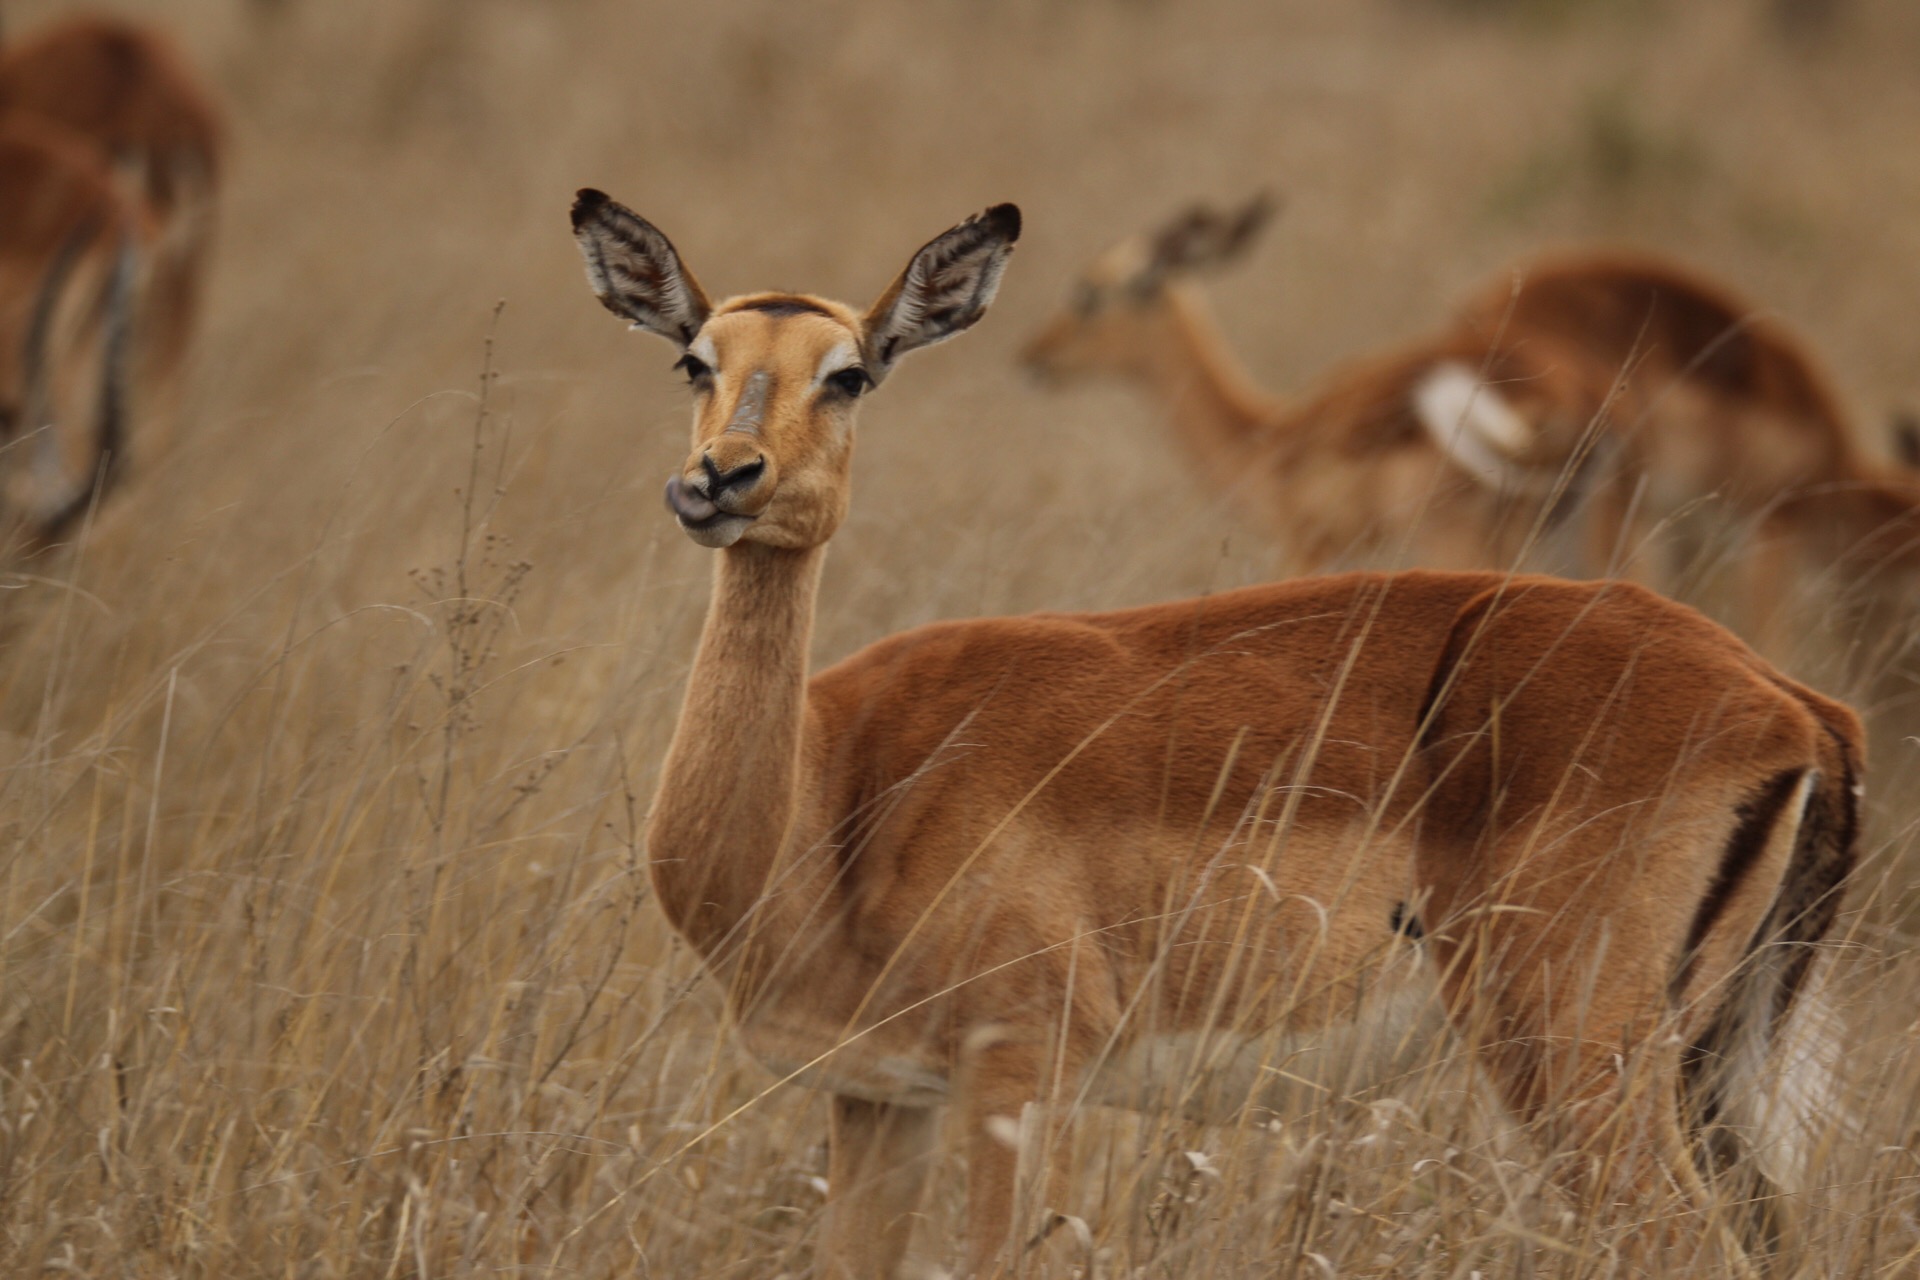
1613,1102
1005,1120
1636,1148
993,1111
879,1156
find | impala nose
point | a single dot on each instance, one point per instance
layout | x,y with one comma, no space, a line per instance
719,482
711,495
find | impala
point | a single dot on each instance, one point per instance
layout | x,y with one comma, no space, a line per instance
126,93
1149,857
1394,457
67,267
1599,403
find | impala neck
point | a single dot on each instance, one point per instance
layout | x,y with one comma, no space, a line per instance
728,787
1214,404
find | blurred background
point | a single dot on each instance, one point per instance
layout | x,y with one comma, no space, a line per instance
325,942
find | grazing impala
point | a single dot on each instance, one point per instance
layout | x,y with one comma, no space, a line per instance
126,92
1385,461
1618,386
66,297
1145,858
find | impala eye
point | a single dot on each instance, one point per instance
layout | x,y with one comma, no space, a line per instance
696,369
850,382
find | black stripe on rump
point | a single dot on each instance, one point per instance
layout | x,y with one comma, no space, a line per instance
1757,817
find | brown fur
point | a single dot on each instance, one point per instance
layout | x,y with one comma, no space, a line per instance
128,93
990,862
64,234
1768,418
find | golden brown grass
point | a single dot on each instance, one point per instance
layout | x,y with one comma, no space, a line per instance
324,938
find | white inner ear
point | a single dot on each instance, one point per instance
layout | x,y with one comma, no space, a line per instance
845,356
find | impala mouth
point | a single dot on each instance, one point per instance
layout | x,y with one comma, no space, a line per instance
704,520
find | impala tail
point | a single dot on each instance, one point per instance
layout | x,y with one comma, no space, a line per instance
1762,1079
60,498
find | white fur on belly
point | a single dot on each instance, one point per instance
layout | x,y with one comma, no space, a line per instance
1216,1075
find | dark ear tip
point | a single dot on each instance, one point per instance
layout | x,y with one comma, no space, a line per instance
1005,220
586,203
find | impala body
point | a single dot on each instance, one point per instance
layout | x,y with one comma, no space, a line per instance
1717,414
1146,857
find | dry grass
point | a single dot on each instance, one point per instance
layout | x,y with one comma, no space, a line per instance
324,940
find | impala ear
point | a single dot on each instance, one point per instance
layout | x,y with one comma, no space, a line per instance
635,271
1243,227
1201,238
945,289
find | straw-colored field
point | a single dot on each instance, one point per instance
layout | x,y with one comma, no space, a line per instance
326,946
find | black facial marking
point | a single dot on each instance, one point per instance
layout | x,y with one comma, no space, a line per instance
1404,922
786,307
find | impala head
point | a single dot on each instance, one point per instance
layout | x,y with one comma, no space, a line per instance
1100,329
776,377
